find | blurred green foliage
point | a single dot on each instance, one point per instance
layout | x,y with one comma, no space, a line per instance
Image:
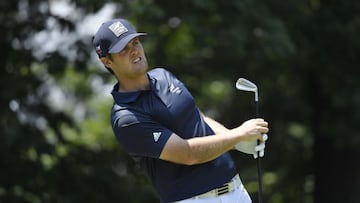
56,141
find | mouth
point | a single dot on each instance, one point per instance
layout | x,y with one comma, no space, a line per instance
137,60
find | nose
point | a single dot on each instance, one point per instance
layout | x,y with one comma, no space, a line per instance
133,50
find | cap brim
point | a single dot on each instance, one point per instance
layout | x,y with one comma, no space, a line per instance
123,42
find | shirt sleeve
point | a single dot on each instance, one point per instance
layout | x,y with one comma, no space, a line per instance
141,138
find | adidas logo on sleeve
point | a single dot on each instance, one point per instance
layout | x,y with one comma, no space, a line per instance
156,136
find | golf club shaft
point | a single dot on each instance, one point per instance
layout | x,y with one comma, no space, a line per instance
246,85
258,158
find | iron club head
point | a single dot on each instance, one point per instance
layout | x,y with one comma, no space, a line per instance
245,85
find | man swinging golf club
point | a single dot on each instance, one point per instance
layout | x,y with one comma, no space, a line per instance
156,121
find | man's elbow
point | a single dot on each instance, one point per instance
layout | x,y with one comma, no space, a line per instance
191,160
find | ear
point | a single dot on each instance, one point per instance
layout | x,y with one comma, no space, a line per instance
106,61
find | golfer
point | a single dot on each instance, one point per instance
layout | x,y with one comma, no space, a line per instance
156,121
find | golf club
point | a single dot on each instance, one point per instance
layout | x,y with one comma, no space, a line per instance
245,85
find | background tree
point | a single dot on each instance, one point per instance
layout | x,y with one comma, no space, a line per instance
56,142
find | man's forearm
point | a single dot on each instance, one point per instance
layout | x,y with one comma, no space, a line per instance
199,149
215,126
205,148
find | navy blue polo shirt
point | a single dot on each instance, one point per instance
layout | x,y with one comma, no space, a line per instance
143,121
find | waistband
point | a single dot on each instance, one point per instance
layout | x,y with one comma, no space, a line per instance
232,185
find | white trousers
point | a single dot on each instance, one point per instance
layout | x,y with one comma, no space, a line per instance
239,195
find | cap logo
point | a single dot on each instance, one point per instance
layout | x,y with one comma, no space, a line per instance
98,50
118,28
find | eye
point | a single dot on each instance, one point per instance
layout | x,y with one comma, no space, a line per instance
123,51
136,42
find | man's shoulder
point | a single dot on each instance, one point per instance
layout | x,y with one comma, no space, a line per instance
160,71
162,74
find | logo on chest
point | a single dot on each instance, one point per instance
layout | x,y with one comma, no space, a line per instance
174,90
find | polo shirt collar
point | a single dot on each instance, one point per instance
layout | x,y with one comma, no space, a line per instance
128,97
